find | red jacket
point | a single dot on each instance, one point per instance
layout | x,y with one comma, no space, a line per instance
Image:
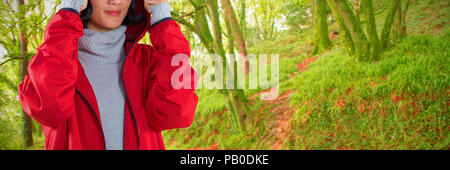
58,95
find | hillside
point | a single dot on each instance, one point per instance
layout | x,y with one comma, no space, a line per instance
330,101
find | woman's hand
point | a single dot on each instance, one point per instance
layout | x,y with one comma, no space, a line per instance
78,5
150,3
84,5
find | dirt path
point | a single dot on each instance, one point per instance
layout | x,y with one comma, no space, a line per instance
279,128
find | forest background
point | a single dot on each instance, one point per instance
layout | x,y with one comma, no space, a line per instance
353,74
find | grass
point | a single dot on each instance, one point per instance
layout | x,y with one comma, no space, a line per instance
399,103
213,126
429,17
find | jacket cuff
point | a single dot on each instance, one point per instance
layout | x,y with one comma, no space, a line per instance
73,4
159,12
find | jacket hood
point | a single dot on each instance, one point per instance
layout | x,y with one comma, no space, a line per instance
134,32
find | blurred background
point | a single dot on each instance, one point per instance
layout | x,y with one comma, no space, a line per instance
353,74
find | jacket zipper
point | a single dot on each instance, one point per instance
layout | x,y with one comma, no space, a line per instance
126,94
95,114
129,103
92,108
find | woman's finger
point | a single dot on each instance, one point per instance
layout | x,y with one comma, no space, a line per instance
150,3
84,5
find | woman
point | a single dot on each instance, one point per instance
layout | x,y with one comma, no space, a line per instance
92,86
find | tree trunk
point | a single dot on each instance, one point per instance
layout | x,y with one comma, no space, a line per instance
344,12
375,46
399,30
321,40
348,41
388,23
236,33
23,43
395,30
216,27
357,8
405,11
202,27
230,48
233,95
242,16
213,44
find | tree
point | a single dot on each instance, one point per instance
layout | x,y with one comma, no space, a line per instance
23,49
375,46
297,14
395,4
234,95
200,26
236,33
242,17
321,39
367,46
400,21
22,24
213,43
265,15
349,23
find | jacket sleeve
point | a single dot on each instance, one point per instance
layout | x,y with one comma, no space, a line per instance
169,107
47,92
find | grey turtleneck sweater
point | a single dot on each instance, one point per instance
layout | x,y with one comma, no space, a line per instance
102,56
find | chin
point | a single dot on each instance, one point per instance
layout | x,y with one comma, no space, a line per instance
112,22
112,25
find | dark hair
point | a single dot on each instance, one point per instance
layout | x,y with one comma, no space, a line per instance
132,17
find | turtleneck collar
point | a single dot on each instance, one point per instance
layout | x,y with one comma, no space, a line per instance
103,47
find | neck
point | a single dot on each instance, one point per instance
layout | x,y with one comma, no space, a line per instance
103,47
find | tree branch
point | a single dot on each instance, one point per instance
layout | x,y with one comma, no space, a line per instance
180,20
193,12
46,17
11,9
12,57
